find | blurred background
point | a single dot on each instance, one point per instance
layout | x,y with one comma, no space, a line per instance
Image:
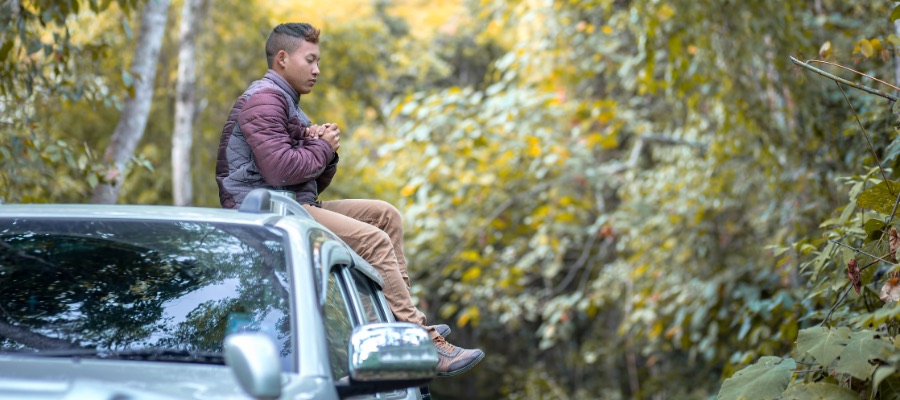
613,198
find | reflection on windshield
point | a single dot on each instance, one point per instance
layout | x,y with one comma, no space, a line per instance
128,285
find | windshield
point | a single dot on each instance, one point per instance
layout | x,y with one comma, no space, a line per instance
133,287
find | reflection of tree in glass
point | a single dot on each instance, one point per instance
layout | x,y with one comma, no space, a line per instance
337,328
205,327
79,291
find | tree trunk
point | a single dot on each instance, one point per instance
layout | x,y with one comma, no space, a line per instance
896,57
185,106
133,120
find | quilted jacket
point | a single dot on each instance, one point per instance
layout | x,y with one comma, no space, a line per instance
264,144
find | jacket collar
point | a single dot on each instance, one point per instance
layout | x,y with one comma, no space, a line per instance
283,84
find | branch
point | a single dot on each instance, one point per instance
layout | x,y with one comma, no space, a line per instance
33,339
856,72
844,81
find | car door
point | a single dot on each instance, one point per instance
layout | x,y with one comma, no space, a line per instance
352,299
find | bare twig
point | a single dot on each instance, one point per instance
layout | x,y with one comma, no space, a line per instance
834,307
855,72
574,268
894,211
868,140
844,81
861,252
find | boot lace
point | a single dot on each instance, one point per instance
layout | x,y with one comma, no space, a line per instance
442,344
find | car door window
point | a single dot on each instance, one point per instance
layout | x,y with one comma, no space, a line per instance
338,326
367,298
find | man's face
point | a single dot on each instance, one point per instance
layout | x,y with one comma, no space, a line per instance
301,67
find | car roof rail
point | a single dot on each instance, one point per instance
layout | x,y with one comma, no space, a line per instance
280,202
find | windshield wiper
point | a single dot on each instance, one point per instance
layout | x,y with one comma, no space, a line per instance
167,355
148,354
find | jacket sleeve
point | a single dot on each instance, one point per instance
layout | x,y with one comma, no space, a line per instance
282,160
324,180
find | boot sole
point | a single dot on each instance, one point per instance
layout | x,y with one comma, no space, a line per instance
463,369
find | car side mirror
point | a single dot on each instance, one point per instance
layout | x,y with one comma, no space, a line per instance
254,359
389,356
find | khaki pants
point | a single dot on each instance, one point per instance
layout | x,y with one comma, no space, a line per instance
374,230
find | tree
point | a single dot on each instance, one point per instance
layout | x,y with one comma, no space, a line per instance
133,120
185,105
46,60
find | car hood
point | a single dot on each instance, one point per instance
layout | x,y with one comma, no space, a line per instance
44,378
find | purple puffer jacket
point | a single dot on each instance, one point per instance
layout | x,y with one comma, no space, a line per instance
264,145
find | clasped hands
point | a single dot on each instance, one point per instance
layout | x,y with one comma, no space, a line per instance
328,132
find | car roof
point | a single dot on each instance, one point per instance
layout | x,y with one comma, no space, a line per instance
144,212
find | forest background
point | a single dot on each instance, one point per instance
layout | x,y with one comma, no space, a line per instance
614,199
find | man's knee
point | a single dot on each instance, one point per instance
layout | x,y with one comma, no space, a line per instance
385,212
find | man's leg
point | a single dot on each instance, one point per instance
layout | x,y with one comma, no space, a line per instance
379,214
374,230
374,245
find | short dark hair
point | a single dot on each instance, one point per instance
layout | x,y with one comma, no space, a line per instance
287,37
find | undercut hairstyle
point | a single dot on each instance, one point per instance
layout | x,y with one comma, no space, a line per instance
287,37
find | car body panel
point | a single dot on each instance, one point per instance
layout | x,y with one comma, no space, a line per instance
312,250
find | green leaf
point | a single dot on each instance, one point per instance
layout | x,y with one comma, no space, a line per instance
7,46
127,28
766,379
862,349
824,344
880,197
93,181
34,46
895,14
819,391
880,375
127,79
874,229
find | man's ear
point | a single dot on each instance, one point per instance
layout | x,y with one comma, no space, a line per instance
280,57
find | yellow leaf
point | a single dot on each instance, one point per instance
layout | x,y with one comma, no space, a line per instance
665,12
534,147
864,47
472,314
409,190
876,45
607,29
470,255
639,271
609,142
656,330
669,244
472,274
462,320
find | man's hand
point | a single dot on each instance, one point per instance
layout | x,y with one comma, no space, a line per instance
331,134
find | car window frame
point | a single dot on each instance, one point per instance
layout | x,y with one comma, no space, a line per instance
350,278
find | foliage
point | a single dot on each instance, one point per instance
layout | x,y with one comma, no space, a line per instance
614,199
616,229
43,60
853,351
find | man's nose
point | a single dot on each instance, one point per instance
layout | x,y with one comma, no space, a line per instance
315,70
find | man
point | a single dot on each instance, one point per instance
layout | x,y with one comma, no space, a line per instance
268,142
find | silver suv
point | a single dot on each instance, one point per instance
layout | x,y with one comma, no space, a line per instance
157,302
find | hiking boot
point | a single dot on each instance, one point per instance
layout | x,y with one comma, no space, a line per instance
454,360
442,329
